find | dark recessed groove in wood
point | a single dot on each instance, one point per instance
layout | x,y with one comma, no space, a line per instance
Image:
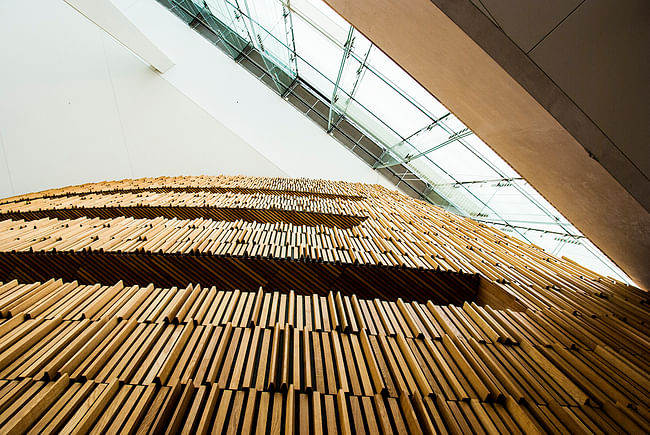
214,213
244,273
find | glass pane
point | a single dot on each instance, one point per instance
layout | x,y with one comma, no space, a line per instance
315,49
475,143
321,16
227,13
460,162
372,125
389,106
315,78
400,79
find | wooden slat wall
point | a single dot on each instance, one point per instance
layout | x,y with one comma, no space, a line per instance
397,231
352,360
110,357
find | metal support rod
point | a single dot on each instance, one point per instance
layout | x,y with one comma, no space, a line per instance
492,180
288,30
346,53
453,138
401,160
506,224
256,40
357,80
420,131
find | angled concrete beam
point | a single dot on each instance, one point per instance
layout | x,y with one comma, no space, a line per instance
111,19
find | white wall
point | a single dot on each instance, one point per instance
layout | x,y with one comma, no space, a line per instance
76,106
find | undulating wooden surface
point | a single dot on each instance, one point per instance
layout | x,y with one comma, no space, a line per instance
396,232
82,356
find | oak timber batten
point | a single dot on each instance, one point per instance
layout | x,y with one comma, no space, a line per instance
414,320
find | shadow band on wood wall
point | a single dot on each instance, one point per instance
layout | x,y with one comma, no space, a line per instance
244,273
215,213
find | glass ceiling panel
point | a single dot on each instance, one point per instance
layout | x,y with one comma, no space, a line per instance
471,169
475,143
372,124
267,14
320,52
306,41
228,15
404,83
321,17
389,106
380,98
315,78
513,207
